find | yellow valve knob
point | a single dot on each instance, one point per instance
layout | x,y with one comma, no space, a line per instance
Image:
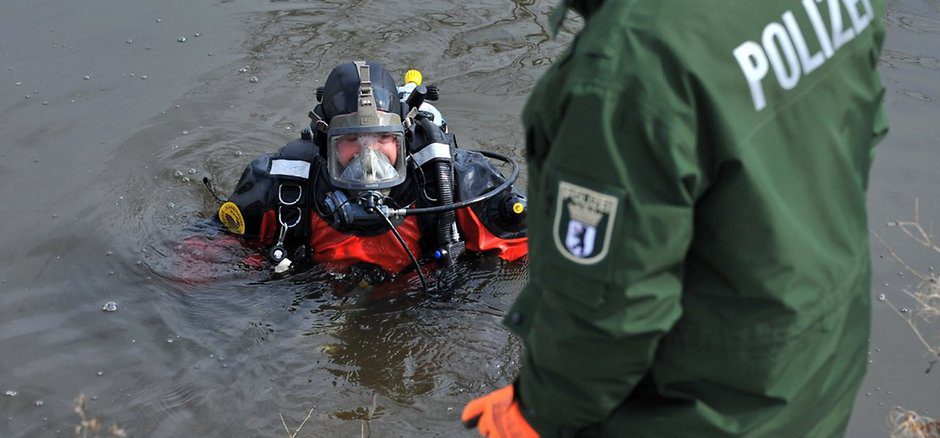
413,76
518,208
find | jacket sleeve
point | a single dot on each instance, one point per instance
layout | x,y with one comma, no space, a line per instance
610,223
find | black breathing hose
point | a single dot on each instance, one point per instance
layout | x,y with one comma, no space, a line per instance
446,197
506,185
411,255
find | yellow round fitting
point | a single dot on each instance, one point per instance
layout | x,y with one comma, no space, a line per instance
413,76
231,216
518,208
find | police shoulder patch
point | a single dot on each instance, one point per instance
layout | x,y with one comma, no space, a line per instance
584,222
232,218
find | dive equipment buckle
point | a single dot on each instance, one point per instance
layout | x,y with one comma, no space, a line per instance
277,253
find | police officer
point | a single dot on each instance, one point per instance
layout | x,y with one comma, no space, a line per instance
375,180
700,262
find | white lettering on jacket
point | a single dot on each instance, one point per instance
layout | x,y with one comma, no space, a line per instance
784,50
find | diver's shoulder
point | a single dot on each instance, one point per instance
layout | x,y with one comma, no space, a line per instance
299,149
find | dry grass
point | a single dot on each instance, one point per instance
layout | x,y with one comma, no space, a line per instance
366,430
926,293
297,430
366,427
925,296
91,427
909,424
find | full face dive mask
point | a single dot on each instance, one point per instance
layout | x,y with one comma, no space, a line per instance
366,148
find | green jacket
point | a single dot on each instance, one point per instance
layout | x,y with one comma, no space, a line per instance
698,257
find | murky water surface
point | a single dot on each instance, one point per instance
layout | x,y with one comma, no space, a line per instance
112,112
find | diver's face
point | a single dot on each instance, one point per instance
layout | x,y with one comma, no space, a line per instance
349,146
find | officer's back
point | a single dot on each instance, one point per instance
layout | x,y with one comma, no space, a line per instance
763,117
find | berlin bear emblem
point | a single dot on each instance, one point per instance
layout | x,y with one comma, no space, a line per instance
584,221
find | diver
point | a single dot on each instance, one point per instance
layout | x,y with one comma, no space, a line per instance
376,179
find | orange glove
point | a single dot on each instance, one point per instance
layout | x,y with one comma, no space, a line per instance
497,415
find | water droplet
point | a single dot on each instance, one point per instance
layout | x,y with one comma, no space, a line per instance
159,20
186,179
19,83
94,398
904,310
867,394
185,132
45,102
27,96
178,174
196,367
192,171
35,160
39,404
886,284
171,205
129,41
243,69
100,373
10,393
882,297
132,75
108,253
890,392
110,306
143,77
881,256
111,273
900,274
197,35
211,54
181,39
253,79
73,100
169,340
147,48
176,106
86,77
238,153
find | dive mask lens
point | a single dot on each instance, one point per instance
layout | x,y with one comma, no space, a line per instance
367,160
370,167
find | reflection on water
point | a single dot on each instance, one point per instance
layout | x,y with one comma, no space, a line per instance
102,187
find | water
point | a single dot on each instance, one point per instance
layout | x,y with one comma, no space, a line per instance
100,186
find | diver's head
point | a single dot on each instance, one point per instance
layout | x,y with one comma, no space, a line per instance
365,144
